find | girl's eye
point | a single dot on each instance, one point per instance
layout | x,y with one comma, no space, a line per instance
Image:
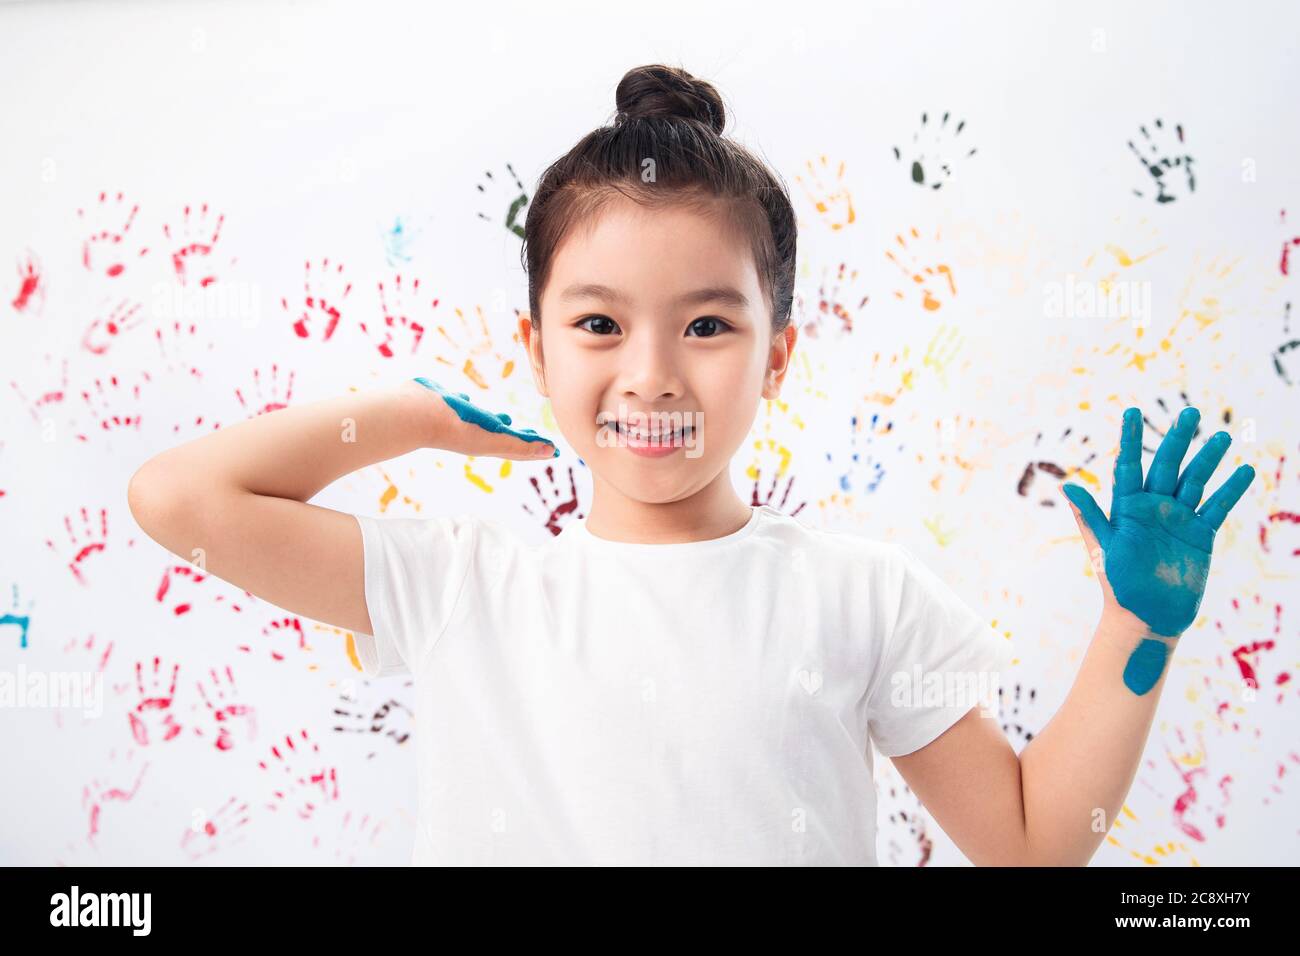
709,322
607,324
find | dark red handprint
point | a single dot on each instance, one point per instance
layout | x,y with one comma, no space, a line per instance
558,507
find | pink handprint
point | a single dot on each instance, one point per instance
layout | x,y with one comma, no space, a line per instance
155,707
319,308
177,343
52,395
270,402
300,790
103,332
105,397
222,829
355,832
193,244
223,709
109,222
96,795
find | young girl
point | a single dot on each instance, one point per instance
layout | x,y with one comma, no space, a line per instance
682,678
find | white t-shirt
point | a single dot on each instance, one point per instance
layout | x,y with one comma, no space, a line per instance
588,701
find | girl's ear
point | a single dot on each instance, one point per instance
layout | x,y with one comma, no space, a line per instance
532,340
778,361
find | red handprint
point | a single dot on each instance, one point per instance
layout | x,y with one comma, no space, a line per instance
94,536
391,303
197,238
31,290
155,707
103,332
106,396
300,790
318,308
95,795
224,711
279,634
53,395
191,576
102,249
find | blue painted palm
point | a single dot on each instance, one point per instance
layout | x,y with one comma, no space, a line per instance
1157,542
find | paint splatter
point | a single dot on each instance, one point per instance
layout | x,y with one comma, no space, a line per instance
936,151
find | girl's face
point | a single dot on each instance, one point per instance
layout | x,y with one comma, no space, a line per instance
655,320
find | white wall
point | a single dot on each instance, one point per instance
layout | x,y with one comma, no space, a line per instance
314,127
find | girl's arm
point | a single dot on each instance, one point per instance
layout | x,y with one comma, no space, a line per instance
1055,803
234,502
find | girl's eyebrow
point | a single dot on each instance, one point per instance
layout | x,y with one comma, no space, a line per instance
722,295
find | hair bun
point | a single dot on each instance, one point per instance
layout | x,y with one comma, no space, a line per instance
659,90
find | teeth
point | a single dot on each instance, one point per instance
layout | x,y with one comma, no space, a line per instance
648,436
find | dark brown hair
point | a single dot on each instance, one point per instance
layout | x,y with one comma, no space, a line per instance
667,116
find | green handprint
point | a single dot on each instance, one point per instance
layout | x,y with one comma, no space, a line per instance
1156,542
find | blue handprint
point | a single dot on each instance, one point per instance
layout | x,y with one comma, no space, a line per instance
1156,542
469,412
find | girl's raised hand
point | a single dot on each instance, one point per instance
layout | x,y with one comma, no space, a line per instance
463,427
1157,542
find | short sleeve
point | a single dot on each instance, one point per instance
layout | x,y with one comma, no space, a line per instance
940,659
415,572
